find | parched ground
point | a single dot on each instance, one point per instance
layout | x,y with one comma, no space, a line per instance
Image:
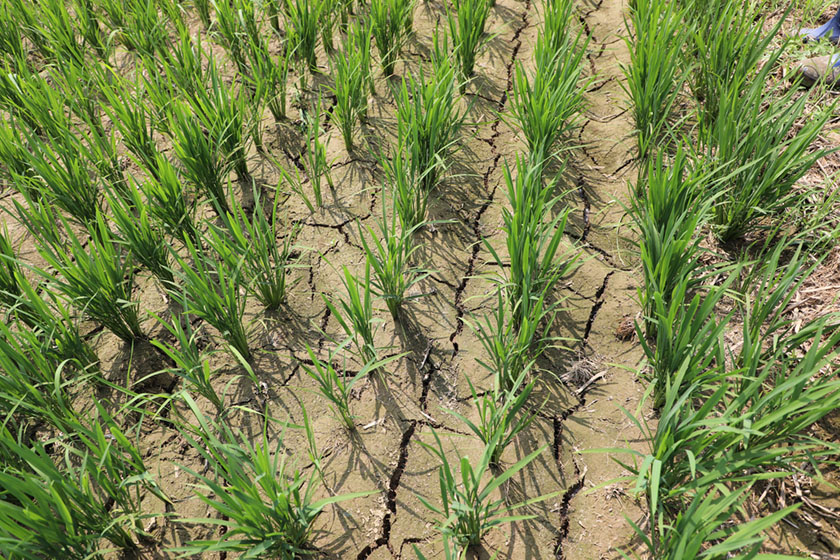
583,385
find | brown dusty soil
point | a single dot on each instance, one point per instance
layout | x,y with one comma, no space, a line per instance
584,385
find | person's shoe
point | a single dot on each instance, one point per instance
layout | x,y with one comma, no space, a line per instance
821,69
829,30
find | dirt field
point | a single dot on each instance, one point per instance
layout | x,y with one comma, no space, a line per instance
584,384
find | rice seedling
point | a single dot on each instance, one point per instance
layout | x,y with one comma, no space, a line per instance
468,507
191,363
270,76
93,493
222,110
199,153
762,147
140,234
251,242
410,198
669,211
11,39
508,349
97,277
63,176
428,120
145,29
547,106
389,253
10,272
500,415
167,200
744,423
467,19
210,290
229,16
34,387
129,113
88,22
184,72
58,39
351,69
54,324
267,500
727,42
533,241
202,8
657,72
354,314
302,21
390,21
315,152
336,387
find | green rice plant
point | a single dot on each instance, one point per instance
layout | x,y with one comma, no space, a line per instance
185,72
760,147
191,364
533,241
390,22
88,22
315,152
10,272
30,98
132,117
336,387
468,506
222,111
737,428
270,76
556,31
139,232
669,211
11,39
500,415
210,290
302,21
657,71
410,198
389,253
329,16
466,19
145,29
58,39
351,69
230,15
547,106
63,511
167,200
508,349
359,38
686,335
35,384
728,39
202,8
54,325
354,313
267,500
38,215
63,176
97,277
428,120
200,154
251,242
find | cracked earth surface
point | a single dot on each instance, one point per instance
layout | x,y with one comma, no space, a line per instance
396,413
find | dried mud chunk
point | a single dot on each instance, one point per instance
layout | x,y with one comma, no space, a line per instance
626,329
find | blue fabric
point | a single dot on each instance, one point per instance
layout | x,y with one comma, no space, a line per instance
830,30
